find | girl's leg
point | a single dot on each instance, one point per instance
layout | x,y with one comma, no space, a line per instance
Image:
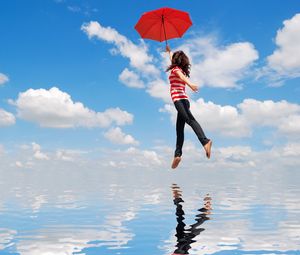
180,123
183,109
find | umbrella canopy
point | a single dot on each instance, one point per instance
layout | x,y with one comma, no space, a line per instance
163,24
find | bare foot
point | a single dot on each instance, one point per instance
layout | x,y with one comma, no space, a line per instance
176,162
207,148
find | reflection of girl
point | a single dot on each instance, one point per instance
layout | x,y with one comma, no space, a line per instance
180,71
185,236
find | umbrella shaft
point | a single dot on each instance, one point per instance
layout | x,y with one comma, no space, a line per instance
163,23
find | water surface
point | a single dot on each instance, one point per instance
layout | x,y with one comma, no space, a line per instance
194,211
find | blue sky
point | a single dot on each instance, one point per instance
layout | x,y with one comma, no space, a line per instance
76,79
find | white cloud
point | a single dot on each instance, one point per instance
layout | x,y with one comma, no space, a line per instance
219,66
54,108
41,156
64,155
68,154
116,135
2,150
236,151
292,149
146,74
267,112
137,54
116,115
291,125
6,118
74,8
35,146
38,154
3,78
285,60
159,89
241,120
282,115
151,156
19,164
284,156
224,120
131,79
132,158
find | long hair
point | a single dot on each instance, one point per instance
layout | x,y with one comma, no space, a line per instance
181,60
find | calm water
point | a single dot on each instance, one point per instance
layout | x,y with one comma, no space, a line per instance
93,211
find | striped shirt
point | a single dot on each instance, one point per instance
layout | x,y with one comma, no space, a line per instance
177,86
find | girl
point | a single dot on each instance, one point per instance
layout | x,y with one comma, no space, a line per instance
180,71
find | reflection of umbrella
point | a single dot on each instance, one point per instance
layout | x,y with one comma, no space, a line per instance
163,24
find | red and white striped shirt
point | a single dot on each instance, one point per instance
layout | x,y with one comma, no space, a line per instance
177,86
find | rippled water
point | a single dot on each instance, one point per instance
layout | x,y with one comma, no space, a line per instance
197,211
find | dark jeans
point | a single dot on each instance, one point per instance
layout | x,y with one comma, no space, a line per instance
184,115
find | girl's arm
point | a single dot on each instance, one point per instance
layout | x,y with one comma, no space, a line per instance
168,49
193,86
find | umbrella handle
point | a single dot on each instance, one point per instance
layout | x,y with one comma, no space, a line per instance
163,22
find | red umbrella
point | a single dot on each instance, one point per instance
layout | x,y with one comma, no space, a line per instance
163,24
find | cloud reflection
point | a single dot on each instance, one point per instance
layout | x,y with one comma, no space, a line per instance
67,210
6,238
